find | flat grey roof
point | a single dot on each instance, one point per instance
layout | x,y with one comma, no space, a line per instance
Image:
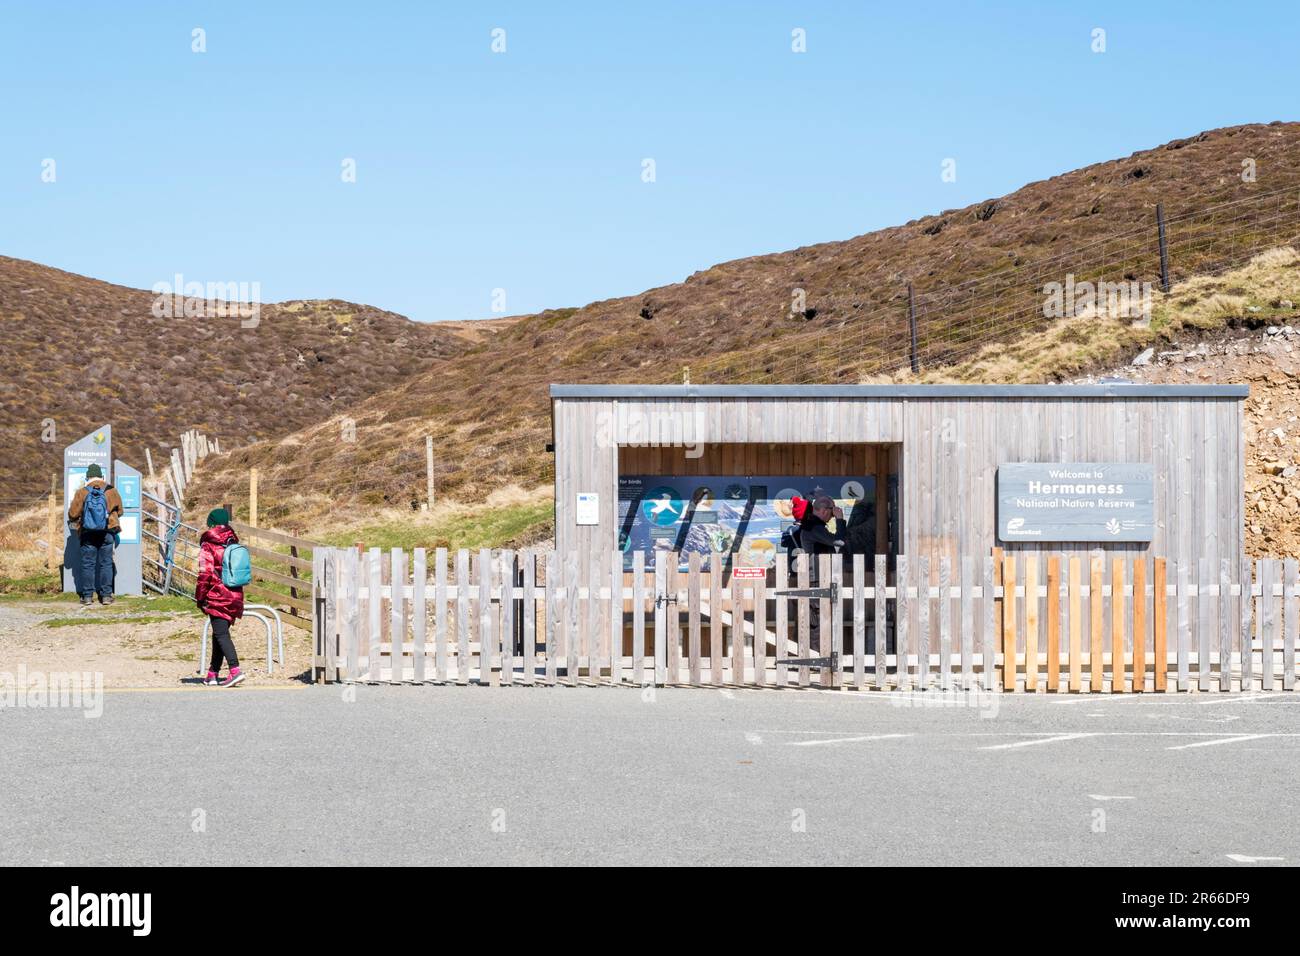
1106,390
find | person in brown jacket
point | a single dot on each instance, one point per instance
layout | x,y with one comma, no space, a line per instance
95,513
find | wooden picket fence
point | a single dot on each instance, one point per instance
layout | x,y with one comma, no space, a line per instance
1028,621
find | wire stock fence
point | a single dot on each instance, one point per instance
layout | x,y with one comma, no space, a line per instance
956,321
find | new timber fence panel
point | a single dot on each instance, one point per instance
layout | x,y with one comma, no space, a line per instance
1117,625
1139,625
496,625
1054,623
1009,622
1076,627
1095,664
1031,621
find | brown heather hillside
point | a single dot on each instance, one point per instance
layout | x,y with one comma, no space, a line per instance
84,352
978,272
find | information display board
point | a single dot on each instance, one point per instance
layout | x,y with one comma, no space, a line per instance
739,516
1082,501
128,557
95,448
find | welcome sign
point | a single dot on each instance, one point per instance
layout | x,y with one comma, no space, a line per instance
1082,501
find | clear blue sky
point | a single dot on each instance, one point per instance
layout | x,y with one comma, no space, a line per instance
522,170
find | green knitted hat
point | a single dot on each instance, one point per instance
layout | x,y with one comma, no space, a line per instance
218,516
94,471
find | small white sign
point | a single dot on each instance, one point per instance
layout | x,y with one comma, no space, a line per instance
130,528
588,507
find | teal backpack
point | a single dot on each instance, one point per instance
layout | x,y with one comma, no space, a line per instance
236,566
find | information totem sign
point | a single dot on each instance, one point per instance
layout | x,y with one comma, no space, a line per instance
93,449
128,556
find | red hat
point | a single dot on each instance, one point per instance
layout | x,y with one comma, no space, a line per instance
798,507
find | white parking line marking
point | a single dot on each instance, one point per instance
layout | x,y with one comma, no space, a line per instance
1108,699
1102,796
1242,858
1041,740
1237,738
1239,699
844,740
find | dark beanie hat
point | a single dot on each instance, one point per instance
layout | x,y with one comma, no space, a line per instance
218,516
94,471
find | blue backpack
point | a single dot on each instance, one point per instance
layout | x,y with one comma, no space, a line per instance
236,566
94,513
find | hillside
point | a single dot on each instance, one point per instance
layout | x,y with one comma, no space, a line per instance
978,274
83,352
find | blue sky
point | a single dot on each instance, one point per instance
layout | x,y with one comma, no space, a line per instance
522,170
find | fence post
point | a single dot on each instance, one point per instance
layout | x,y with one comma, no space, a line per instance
1160,625
52,526
661,621
293,573
911,322
428,471
1164,247
1009,622
252,497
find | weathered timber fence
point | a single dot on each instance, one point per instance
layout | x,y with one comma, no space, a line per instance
1029,621
282,563
282,570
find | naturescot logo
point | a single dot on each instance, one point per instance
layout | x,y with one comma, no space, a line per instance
1017,526
75,908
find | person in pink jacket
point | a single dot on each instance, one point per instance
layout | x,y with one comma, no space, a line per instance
222,605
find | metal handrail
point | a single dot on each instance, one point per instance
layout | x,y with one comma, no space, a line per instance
252,610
